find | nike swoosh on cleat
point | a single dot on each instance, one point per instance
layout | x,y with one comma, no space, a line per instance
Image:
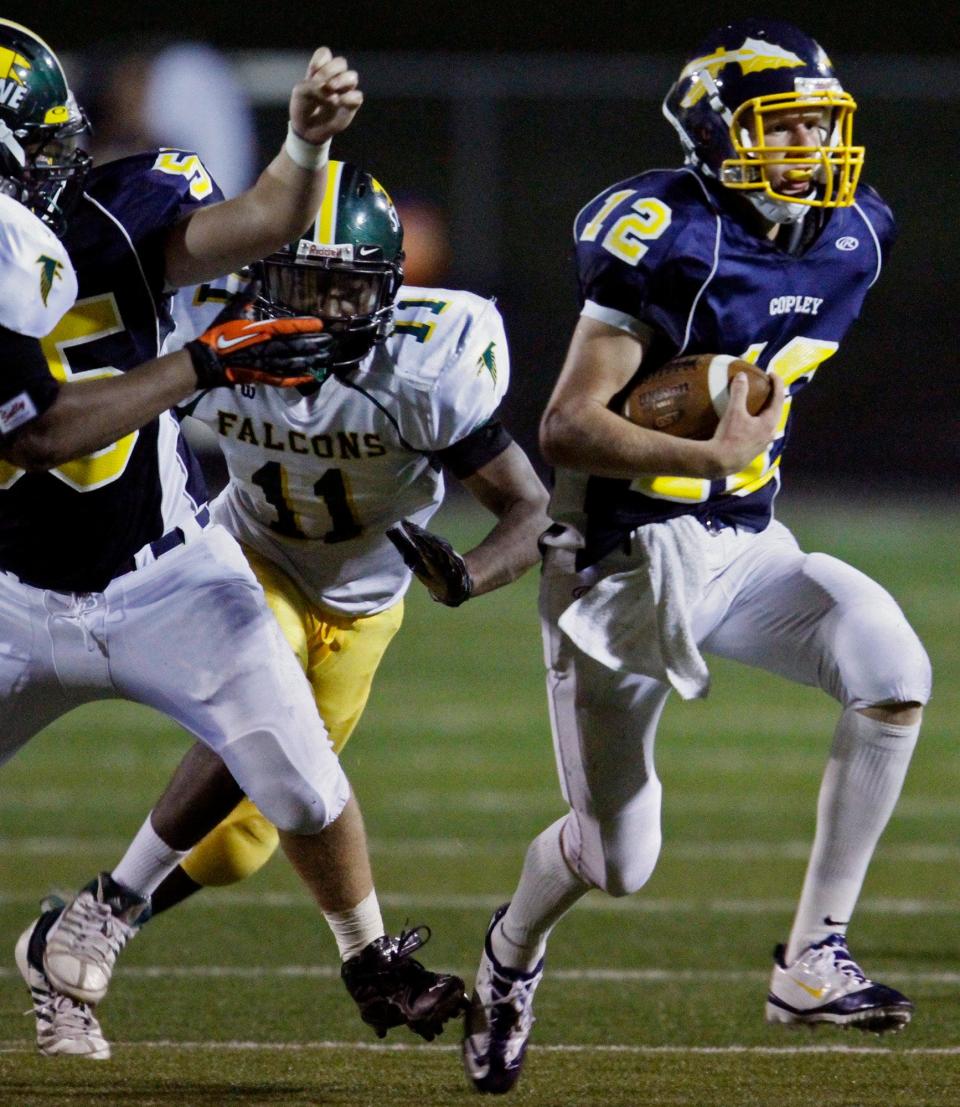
827,921
817,993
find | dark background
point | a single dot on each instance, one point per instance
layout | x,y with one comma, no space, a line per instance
510,116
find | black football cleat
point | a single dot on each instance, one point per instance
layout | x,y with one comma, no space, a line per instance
392,989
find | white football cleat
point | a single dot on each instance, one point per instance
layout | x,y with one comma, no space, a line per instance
826,985
65,1028
499,1020
84,942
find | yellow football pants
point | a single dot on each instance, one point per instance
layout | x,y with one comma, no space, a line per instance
340,656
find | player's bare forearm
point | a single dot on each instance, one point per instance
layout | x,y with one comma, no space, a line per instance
591,438
89,415
221,238
580,431
284,201
509,487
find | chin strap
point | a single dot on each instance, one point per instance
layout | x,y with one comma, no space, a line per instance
777,211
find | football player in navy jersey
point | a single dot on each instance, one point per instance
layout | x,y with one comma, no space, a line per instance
762,247
113,582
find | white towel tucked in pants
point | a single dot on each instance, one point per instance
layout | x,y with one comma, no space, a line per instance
638,621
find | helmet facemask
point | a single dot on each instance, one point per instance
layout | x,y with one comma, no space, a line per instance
832,167
353,297
54,171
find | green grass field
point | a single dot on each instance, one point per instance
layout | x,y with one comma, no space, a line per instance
656,999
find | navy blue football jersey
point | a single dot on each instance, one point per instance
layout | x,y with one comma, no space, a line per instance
78,526
663,251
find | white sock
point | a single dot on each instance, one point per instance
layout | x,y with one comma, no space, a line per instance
861,785
547,890
147,862
355,929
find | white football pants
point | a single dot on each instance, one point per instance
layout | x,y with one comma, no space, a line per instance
809,617
191,635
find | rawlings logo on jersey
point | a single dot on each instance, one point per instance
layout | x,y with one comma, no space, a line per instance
50,268
16,412
488,360
752,57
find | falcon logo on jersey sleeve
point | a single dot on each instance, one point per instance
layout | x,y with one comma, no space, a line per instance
50,270
488,360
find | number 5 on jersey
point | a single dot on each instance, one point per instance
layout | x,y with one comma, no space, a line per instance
88,320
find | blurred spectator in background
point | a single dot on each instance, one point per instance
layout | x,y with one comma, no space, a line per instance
187,95
426,241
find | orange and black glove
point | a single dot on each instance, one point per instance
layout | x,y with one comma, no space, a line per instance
281,352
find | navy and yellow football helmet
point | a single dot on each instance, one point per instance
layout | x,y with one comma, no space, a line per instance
347,269
41,164
721,106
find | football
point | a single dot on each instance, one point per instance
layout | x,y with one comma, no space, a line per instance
688,395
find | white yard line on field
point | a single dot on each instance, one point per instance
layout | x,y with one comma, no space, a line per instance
583,976
737,850
413,1047
218,900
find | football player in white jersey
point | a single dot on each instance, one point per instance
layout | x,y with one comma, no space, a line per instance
317,476
113,581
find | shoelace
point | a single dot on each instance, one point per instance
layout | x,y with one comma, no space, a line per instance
518,996
409,941
839,957
70,1017
95,933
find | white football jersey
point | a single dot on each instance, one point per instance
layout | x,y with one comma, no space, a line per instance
316,480
38,284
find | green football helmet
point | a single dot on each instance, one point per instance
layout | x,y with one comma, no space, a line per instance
347,269
41,164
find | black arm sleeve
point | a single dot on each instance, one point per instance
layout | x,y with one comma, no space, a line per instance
479,448
27,388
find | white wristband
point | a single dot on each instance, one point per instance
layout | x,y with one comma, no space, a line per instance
303,153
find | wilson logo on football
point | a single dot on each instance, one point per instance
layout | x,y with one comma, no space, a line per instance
848,242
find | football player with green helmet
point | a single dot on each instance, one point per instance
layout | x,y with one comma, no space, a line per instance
318,476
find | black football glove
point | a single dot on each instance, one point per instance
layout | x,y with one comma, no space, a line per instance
433,561
281,352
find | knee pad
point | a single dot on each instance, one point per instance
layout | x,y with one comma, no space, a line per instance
299,792
241,845
877,656
616,852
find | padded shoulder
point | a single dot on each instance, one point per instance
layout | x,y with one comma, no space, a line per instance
38,284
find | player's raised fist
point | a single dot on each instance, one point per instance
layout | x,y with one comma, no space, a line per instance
324,103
